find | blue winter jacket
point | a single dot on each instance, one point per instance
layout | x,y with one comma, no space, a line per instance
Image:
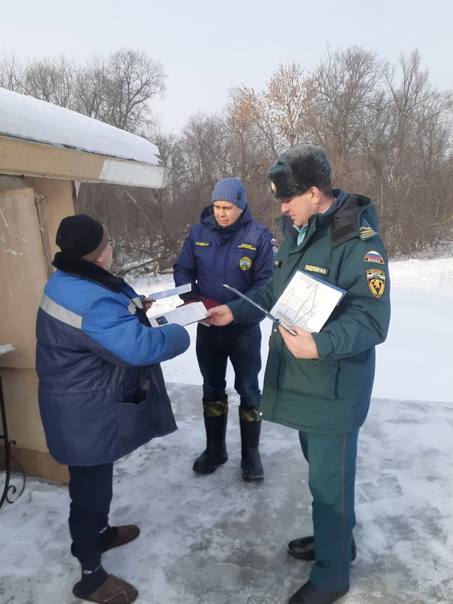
240,255
101,390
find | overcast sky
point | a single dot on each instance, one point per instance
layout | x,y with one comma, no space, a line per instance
206,47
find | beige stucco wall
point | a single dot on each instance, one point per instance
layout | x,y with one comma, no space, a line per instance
25,233
58,202
22,271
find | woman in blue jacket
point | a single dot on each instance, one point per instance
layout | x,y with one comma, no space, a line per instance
101,390
227,246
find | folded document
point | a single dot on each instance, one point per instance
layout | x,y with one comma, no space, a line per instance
182,315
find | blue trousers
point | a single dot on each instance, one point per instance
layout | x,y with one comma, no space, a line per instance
90,490
215,345
331,476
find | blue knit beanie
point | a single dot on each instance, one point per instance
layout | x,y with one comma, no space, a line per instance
232,190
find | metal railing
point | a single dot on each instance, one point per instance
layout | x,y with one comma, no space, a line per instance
10,492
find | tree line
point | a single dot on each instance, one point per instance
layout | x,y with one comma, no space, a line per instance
385,128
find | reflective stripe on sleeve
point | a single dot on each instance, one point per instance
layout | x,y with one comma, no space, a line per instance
60,312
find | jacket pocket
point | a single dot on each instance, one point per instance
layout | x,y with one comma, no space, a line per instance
310,377
133,423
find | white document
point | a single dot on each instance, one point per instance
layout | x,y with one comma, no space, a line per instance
175,291
182,315
307,302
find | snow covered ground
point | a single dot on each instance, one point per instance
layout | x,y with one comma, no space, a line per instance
218,540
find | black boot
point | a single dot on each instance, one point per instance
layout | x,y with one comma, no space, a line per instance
310,593
250,422
304,548
215,420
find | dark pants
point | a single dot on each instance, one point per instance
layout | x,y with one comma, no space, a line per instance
90,490
332,466
243,347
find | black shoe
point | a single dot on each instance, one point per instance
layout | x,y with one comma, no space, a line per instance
250,424
209,461
309,593
304,548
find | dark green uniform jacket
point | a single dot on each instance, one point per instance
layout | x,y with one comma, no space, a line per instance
332,393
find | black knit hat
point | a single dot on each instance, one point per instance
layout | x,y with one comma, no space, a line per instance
298,169
81,236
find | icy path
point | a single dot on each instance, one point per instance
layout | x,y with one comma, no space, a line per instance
218,540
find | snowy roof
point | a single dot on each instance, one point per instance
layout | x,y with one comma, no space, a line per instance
31,119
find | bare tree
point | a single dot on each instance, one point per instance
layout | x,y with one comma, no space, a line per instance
347,85
11,73
132,79
387,132
280,111
50,79
92,89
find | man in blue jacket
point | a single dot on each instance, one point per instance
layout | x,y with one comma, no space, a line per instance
227,246
101,390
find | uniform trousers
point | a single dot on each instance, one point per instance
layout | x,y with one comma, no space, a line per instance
215,345
331,467
90,490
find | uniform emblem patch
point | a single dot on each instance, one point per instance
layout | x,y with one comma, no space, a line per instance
373,256
245,263
376,281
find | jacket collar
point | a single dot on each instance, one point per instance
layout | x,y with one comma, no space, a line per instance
88,270
285,224
344,215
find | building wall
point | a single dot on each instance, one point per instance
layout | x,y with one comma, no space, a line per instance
30,211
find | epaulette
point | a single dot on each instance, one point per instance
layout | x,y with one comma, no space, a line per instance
345,221
365,231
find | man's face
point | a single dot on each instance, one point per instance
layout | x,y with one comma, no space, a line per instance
300,207
225,212
105,260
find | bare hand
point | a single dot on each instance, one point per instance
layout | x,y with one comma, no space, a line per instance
301,346
147,303
219,316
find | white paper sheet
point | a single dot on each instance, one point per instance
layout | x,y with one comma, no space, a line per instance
307,302
166,293
182,315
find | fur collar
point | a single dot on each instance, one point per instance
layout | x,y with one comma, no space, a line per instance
88,270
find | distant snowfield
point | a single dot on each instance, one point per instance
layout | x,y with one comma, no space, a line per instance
415,363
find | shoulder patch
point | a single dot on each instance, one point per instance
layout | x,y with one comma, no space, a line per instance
376,279
373,256
202,243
